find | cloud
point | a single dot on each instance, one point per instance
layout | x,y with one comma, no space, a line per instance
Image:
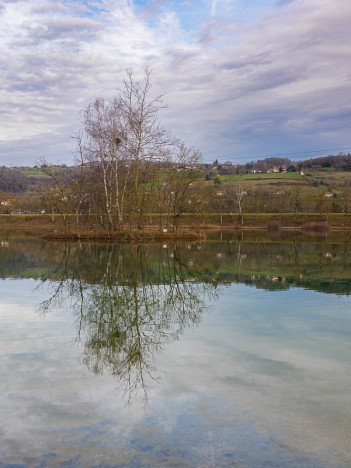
214,7
277,83
226,5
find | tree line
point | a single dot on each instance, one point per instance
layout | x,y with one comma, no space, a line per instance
340,163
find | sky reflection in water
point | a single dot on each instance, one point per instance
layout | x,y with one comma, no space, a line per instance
236,374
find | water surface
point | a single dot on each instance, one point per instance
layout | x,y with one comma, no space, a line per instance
228,353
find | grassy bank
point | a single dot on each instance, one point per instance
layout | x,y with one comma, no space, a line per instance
191,226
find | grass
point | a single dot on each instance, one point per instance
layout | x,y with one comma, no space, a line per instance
43,224
327,178
32,172
312,186
227,179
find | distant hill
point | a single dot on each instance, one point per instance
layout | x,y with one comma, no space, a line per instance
339,163
13,181
19,180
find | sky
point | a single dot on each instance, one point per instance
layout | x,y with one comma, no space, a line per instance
242,79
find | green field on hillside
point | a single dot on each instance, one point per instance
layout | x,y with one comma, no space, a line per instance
32,172
278,176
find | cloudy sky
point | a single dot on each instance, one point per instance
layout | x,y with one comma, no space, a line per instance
243,79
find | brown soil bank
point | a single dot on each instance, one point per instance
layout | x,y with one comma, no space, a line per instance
191,226
283,220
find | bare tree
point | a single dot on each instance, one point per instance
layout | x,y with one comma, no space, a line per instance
125,162
100,148
236,194
122,142
296,194
146,140
66,193
179,176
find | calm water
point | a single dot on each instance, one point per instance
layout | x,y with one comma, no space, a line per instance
233,353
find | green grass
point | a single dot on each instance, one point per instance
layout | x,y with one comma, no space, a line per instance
32,172
257,178
273,176
35,273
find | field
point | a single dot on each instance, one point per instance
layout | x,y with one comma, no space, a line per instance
260,178
311,185
288,178
32,172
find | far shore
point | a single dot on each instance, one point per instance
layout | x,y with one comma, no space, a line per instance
190,228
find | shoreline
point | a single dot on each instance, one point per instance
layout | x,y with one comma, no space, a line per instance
53,228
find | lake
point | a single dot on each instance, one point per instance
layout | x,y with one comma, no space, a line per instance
231,352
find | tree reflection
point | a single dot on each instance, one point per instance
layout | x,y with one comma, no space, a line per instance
130,303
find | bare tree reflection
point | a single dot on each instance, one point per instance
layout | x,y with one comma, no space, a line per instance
130,303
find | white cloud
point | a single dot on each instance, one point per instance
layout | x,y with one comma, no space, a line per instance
214,7
279,83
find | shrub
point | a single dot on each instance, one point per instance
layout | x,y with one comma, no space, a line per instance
273,225
316,226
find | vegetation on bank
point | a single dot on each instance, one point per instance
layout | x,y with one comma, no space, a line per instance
274,202
190,227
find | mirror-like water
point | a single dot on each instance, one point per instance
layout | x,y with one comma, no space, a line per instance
220,354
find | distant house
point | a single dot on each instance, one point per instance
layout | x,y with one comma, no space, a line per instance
329,195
